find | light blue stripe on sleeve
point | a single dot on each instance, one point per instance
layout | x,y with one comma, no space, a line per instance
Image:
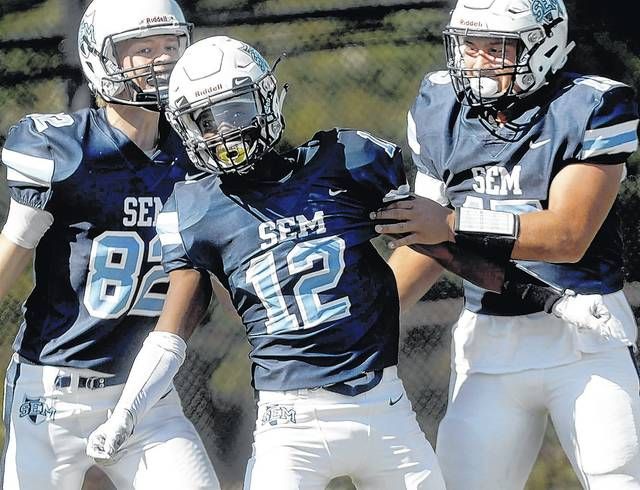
610,142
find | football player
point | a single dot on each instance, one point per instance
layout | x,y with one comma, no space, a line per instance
86,189
524,160
288,235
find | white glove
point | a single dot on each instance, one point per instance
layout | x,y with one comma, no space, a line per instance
588,312
105,442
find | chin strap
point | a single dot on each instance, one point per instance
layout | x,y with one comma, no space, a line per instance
283,94
285,87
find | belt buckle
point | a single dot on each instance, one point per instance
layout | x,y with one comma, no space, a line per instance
94,383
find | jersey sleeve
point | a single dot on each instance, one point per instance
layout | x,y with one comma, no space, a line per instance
610,135
428,182
376,165
30,164
174,252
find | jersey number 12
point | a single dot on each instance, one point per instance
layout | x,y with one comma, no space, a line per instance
262,274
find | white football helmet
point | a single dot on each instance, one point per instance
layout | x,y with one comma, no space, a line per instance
538,28
104,24
223,102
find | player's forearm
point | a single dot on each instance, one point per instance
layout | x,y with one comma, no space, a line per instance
546,236
550,237
164,350
529,291
580,198
415,273
13,261
152,373
149,380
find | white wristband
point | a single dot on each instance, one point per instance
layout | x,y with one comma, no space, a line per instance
486,222
25,225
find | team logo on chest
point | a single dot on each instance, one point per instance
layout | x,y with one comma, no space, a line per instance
497,181
290,228
36,410
141,211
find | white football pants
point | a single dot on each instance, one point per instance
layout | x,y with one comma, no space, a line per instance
304,438
494,426
46,430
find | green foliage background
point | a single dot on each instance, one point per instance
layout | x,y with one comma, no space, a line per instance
350,63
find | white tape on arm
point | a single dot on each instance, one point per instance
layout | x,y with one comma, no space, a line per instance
25,225
152,372
431,188
484,221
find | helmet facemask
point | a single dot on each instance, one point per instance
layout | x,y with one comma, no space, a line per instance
501,77
144,85
231,131
532,33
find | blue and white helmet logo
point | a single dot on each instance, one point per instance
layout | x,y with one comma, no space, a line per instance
87,36
256,57
545,10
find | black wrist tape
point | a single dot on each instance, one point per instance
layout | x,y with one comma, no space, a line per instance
528,289
491,234
494,247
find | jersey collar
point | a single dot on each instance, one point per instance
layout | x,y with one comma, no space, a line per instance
170,149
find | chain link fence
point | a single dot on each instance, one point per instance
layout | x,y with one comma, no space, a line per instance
350,63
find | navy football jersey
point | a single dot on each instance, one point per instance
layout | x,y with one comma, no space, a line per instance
319,304
461,163
99,283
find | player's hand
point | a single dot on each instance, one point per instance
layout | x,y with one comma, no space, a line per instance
418,220
104,442
588,312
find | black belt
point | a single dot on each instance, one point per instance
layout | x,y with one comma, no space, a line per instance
356,386
90,383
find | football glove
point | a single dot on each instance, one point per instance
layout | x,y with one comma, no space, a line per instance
588,313
105,442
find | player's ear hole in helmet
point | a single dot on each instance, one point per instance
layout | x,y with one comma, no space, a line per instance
501,50
128,48
224,104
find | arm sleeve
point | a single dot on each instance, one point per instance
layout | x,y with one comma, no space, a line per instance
25,225
610,135
152,373
174,252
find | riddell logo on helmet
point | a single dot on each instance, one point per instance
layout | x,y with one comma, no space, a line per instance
158,19
208,90
471,23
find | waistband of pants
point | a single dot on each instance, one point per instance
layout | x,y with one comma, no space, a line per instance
353,387
66,378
